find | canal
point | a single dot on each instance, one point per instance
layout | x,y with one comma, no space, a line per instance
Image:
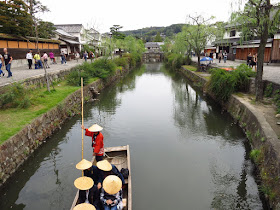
185,153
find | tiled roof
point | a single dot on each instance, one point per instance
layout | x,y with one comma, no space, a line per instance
70,28
62,32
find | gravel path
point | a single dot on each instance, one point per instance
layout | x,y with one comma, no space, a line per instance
22,73
270,73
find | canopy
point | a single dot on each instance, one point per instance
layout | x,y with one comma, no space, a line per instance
206,59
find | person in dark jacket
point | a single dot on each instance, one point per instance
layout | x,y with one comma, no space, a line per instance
106,169
91,196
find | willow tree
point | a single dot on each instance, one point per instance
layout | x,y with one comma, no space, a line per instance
258,19
198,32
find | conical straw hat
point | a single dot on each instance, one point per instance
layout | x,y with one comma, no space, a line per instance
112,184
83,164
95,128
83,183
104,165
84,206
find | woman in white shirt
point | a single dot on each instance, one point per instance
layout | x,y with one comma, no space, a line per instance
29,58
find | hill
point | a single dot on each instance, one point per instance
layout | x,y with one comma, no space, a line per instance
150,32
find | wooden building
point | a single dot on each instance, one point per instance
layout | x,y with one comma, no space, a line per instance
19,46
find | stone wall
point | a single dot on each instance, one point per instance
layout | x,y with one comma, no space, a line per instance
260,134
17,149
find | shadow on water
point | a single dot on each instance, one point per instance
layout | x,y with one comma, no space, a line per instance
185,152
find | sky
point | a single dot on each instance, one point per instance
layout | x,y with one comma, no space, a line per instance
131,14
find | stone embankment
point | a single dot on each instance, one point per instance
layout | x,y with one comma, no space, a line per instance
261,135
15,151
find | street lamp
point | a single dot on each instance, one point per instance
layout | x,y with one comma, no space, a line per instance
111,34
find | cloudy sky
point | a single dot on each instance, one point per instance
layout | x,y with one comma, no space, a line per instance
102,14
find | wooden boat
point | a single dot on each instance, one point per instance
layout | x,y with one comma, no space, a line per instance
120,157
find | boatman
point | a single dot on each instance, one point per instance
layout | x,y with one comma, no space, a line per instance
97,140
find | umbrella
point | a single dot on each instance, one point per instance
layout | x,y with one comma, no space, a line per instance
206,59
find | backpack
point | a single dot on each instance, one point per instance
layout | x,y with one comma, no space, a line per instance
125,173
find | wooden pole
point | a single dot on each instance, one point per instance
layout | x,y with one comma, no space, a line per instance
82,99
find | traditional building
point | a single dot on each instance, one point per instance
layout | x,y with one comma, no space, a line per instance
153,46
236,49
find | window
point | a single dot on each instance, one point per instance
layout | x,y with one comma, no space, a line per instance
232,33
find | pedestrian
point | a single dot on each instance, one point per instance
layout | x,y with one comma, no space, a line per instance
249,59
91,56
77,56
220,55
45,58
1,63
52,58
8,61
62,56
97,140
111,193
254,61
225,56
85,55
38,62
29,58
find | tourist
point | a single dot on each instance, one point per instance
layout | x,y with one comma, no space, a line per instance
225,56
85,55
63,58
91,196
111,193
1,62
29,58
45,58
254,61
220,55
51,54
91,56
38,62
106,169
77,56
97,141
8,61
249,59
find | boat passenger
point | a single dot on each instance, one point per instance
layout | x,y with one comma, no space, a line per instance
107,169
111,193
97,140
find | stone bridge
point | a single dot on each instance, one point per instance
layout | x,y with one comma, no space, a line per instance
152,57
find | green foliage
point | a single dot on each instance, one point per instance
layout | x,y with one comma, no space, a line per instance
223,83
121,61
268,90
46,29
255,155
15,96
115,32
102,68
74,78
88,48
276,100
14,18
268,192
158,38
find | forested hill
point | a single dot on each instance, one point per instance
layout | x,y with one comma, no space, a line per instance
150,32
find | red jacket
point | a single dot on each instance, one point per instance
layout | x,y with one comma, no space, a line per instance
98,144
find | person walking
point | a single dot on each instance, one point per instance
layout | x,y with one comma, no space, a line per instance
1,63
29,58
77,56
52,58
85,55
45,57
8,61
225,56
220,55
63,59
249,59
97,140
254,61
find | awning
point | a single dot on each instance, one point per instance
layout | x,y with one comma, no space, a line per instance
70,41
252,46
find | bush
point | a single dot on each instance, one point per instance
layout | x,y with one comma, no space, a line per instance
74,78
102,68
268,90
121,61
223,83
15,96
176,61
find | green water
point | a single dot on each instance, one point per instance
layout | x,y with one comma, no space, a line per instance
185,153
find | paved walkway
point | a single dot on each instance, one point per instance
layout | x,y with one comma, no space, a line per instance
22,73
270,72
